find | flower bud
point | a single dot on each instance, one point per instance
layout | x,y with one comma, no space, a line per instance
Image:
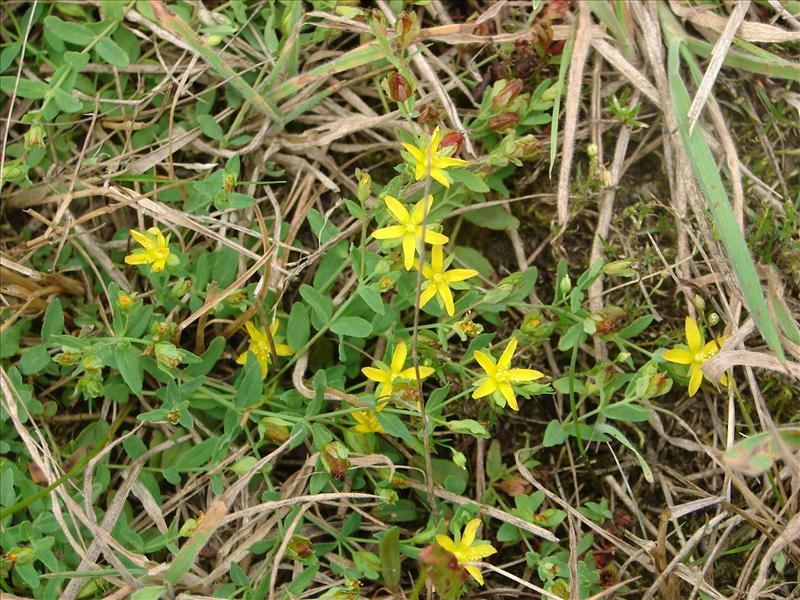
229,182
399,88
507,93
180,287
591,151
406,29
21,555
274,429
531,322
125,301
503,121
90,386
92,364
467,329
335,460
34,137
620,268
428,114
454,138
565,285
67,358
167,354
364,185
713,318
699,303
300,547
214,40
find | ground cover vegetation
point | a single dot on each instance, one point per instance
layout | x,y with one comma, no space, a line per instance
403,299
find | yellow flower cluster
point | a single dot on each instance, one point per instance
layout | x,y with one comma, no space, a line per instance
696,355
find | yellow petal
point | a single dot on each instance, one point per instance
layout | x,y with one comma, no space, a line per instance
508,394
444,162
137,258
415,152
399,357
470,529
411,373
446,543
437,258
487,387
389,233
695,379
459,274
693,338
141,238
419,212
376,375
409,250
475,572
505,359
436,137
397,209
283,350
447,298
523,375
428,293
679,356
478,552
440,176
435,238
485,361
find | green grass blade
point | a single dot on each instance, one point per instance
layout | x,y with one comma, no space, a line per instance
758,61
705,171
180,28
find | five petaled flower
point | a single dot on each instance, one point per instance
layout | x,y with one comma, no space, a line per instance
367,422
410,228
439,280
260,346
465,550
500,377
438,162
696,355
154,250
385,375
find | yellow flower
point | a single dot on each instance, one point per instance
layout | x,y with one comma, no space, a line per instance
439,280
696,355
386,375
410,228
367,422
154,250
438,162
500,377
260,346
465,551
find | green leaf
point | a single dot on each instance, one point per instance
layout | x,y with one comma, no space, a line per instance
26,88
625,411
618,435
151,592
66,102
708,178
53,322
474,260
249,384
208,360
635,328
210,127
110,52
492,217
471,181
33,359
73,33
554,434
389,549
321,305
372,298
352,326
572,337
468,426
130,367
298,329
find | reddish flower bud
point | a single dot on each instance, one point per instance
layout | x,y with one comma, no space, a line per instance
406,29
454,138
508,92
503,121
428,114
399,88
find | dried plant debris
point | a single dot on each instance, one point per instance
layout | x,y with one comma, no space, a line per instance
399,299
